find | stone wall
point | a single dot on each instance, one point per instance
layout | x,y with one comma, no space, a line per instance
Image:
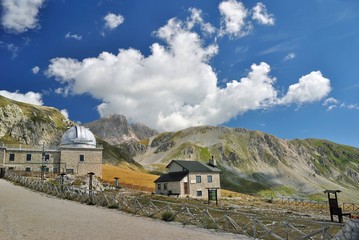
65,160
34,162
350,231
204,184
82,161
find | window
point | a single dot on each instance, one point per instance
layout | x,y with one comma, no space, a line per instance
28,157
27,169
209,178
159,186
69,170
12,157
55,170
47,157
82,158
165,186
198,179
11,168
46,169
199,193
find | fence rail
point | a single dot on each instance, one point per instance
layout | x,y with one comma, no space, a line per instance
227,220
318,204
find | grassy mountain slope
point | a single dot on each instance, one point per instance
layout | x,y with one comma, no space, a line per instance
259,163
30,124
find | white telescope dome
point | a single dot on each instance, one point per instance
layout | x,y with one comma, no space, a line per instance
78,137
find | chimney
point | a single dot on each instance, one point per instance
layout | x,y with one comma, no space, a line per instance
212,162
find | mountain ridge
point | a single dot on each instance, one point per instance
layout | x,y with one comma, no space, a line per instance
255,162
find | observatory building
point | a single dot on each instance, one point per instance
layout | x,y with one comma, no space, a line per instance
77,154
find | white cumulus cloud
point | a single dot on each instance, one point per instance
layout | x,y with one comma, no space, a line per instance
175,86
260,14
196,18
233,21
310,88
20,15
35,70
29,97
112,21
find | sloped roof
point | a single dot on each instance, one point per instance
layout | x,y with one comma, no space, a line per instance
171,177
194,166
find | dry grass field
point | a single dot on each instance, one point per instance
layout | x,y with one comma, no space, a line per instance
128,177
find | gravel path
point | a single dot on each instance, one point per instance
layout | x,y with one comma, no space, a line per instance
29,215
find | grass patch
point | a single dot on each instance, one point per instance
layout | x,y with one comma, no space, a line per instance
145,141
128,176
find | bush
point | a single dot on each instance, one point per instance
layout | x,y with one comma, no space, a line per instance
167,216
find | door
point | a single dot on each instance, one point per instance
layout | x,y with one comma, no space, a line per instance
185,186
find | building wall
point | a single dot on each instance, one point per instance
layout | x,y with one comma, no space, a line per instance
92,160
59,160
2,156
174,167
20,162
194,187
173,187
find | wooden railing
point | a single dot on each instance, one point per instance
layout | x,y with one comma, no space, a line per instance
318,204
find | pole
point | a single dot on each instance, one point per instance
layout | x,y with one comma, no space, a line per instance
90,186
42,162
62,181
116,182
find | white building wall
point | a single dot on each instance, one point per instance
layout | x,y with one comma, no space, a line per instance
174,167
172,187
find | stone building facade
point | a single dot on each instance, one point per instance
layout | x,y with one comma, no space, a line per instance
189,178
77,154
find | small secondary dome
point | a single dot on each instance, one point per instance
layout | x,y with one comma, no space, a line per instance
78,137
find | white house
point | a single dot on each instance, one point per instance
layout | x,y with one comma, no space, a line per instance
190,178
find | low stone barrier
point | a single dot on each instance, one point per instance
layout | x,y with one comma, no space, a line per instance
350,231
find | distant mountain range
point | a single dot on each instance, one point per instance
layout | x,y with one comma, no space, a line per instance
251,161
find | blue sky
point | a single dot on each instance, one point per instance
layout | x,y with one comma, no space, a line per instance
288,68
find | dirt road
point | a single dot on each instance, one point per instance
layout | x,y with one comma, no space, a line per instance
28,215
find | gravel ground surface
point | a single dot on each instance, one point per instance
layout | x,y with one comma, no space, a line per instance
28,215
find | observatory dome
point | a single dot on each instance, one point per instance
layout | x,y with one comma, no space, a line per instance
78,137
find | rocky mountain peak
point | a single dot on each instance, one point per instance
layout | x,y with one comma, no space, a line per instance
116,129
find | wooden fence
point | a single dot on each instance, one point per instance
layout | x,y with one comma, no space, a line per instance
227,220
353,207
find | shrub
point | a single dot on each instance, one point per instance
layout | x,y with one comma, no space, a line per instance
167,216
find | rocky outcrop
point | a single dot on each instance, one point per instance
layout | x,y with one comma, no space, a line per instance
129,149
115,129
33,128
